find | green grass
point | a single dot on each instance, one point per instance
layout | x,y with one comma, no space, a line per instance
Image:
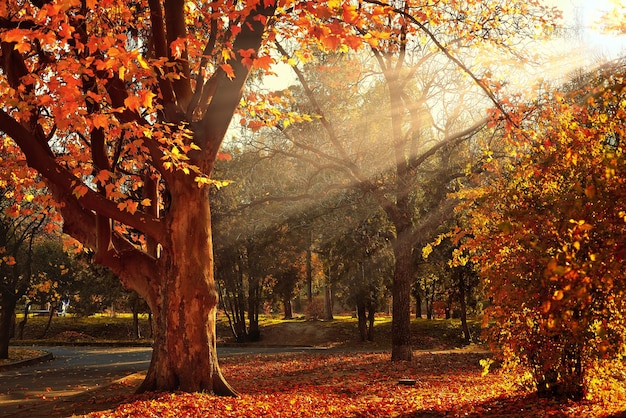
340,332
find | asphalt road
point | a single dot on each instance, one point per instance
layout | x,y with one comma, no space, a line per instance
78,369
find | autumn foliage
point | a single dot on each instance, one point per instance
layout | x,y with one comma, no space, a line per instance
548,231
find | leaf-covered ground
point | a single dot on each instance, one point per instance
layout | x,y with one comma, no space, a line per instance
359,384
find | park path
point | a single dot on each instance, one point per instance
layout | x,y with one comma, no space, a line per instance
25,391
72,371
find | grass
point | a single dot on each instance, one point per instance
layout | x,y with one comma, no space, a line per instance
340,332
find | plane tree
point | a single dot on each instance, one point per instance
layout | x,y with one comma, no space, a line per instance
122,108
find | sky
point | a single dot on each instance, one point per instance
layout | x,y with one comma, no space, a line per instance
585,48
592,38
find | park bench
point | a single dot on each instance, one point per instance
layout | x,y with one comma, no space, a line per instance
39,312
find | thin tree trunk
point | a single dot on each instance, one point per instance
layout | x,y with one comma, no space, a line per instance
371,312
448,308
288,308
362,319
309,270
7,314
136,330
328,302
150,324
22,324
418,306
467,337
53,308
254,300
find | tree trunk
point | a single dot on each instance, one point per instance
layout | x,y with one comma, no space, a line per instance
362,318
328,302
309,270
467,337
418,306
254,301
287,307
448,307
150,324
136,330
22,324
51,312
401,292
7,315
184,353
371,312
135,307
430,306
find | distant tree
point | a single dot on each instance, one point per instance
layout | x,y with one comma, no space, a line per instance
379,124
52,276
21,228
362,260
95,288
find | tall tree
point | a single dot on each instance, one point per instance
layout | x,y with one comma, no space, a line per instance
423,61
122,108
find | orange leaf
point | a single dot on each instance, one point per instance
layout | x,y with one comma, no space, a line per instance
263,63
132,103
223,156
228,69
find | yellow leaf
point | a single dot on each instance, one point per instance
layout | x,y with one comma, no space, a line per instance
147,99
146,202
142,62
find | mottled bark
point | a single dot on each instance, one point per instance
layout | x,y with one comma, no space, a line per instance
185,309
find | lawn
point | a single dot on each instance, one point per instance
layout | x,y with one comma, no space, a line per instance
341,332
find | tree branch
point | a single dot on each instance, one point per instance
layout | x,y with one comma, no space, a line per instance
64,184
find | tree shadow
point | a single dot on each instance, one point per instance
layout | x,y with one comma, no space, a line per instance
95,400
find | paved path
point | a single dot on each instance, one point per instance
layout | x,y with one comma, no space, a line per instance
73,370
77,369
